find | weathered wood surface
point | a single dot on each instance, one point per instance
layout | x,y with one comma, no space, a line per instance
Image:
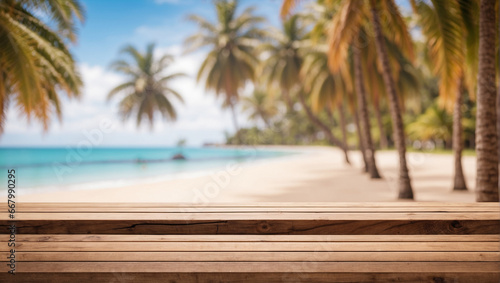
256,246
256,227
262,204
263,216
338,242
251,238
303,256
240,277
262,267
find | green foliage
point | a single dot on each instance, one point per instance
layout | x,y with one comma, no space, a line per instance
181,142
452,36
35,62
283,61
231,39
260,105
434,124
292,128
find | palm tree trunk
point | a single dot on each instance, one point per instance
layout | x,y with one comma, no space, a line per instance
459,183
343,125
323,127
235,122
3,102
264,118
330,117
486,116
405,188
288,100
383,138
360,139
363,110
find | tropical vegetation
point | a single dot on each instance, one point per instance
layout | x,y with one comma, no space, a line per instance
362,74
148,88
36,65
230,64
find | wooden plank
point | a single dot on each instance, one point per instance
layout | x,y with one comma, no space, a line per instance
20,216
416,242
254,246
433,209
292,227
260,204
254,256
239,277
264,267
253,238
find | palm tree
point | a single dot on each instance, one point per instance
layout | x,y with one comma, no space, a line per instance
35,63
355,13
260,106
374,82
147,89
452,35
344,35
320,124
231,62
361,144
486,135
363,110
405,188
325,88
284,61
320,14
283,67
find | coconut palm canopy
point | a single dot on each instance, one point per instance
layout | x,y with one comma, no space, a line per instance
148,89
36,65
260,105
231,40
322,56
283,62
231,59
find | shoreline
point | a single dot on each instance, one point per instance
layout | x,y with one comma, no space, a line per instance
193,173
317,175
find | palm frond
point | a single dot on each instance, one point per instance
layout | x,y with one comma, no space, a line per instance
345,25
146,92
441,24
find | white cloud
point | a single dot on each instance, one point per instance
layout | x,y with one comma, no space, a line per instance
200,119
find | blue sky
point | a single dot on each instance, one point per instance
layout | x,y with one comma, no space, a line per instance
110,25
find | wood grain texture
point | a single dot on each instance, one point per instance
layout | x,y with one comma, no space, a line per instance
264,216
157,256
326,242
260,267
254,246
239,277
218,209
256,227
252,238
261,204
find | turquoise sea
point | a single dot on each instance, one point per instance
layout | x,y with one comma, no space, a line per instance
66,168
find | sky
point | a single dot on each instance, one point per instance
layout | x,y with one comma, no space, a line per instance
110,25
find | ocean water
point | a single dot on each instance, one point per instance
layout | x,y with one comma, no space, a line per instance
43,169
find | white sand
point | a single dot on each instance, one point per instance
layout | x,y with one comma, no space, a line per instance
317,175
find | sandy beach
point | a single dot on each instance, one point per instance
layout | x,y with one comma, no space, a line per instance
315,174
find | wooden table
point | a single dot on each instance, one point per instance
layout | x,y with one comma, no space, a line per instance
269,242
